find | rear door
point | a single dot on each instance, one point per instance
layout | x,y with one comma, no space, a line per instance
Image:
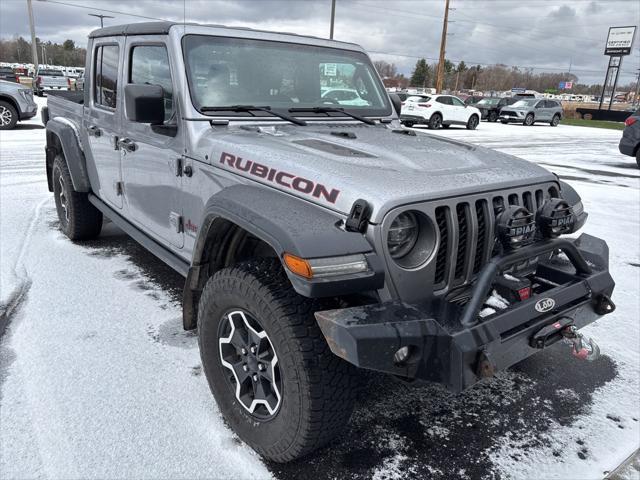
541,111
152,173
445,105
102,117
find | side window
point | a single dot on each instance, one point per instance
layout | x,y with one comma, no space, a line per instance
150,66
444,100
457,102
106,75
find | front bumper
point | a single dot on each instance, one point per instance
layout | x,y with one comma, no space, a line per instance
450,344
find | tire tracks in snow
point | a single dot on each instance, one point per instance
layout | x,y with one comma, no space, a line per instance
16,298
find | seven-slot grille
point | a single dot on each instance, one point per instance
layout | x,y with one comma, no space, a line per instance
507,113
467,235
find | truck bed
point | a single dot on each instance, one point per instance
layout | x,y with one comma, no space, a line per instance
67,104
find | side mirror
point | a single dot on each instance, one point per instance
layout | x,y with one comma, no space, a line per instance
396,102
144,103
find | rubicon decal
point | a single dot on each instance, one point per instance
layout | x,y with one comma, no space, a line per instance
279,177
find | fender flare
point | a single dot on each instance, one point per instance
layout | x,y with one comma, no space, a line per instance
67,139
287,224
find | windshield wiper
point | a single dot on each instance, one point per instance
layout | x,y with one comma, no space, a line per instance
252,108
332,110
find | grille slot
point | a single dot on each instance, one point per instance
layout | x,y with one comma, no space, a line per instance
463,238
481,215
441,256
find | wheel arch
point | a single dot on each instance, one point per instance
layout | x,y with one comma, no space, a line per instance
11,101
63,138
246,221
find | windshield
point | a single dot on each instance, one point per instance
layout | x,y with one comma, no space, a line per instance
232,71
525,103
489,101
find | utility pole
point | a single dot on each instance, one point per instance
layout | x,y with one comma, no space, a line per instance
443,46
44,54
34,47
333,17
101,17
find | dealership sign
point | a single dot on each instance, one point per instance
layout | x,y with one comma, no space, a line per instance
565,85
620,40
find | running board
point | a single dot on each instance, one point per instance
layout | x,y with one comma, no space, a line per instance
167,256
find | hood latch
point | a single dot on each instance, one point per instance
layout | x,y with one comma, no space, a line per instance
358,217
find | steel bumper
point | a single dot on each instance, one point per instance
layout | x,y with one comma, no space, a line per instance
450,344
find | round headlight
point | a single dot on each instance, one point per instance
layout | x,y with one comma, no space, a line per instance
403,235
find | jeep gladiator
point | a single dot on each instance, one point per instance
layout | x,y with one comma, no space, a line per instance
317,239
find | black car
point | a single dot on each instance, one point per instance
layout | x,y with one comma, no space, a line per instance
630,141
472,100
7,74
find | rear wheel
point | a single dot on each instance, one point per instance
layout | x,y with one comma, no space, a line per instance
528,120
555,121
435,121
268,365
8,116
79,219
638,157
493,116
472,123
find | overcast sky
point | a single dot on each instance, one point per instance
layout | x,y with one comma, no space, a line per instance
545,34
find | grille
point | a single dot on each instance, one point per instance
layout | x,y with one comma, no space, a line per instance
509,114
467,233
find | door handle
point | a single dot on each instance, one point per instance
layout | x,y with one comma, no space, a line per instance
93,131
127,144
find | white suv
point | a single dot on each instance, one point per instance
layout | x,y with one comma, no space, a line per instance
438,111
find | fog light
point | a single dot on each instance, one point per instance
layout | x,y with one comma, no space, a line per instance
403,355
555,218
515,227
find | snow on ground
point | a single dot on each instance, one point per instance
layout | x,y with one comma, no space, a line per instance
98,380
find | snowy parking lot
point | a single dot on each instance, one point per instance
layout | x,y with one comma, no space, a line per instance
98,379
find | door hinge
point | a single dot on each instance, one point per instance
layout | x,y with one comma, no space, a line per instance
175,220
119,188
179,167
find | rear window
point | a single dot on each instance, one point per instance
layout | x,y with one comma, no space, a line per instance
416,98
6,70
50,73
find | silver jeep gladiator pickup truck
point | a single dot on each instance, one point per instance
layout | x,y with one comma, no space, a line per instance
316,238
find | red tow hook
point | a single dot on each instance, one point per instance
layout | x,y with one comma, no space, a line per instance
582,347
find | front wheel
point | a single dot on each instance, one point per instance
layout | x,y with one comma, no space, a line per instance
473,122
528,120
8,116
555,120
268,365
435,122
493,116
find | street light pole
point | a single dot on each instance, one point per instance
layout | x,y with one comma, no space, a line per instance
101,17
333,17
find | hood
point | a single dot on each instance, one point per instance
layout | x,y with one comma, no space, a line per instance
334,165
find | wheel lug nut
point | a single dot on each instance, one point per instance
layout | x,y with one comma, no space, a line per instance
255,377
243,351
245,367
261,367
253,349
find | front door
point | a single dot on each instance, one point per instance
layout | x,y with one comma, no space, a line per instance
151,155
103,118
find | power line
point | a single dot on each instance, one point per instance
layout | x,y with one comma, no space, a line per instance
103,10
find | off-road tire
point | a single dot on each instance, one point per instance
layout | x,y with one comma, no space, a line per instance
555,120
473,122
638,157
8,116
435,121
318,388
528,120
493,117
82,221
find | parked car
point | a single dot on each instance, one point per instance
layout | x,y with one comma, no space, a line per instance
490,107
7,74
472,99
316,240
51,80
437,111
79,83
630,141
531,110
16,104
